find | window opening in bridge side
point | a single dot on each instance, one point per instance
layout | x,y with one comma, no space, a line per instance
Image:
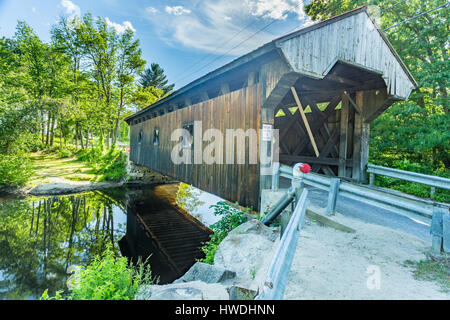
140,136
156,137
188,142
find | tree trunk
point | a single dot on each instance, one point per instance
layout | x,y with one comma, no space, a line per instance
87,139
76,136
48,129
81,138
52,134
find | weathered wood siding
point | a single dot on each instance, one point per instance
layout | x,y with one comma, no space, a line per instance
239,109
353,39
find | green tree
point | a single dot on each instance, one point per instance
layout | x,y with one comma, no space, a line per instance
155,77
130,64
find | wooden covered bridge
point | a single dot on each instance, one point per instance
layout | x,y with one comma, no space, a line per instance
320,86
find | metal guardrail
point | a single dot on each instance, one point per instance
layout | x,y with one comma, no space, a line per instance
432,181
280,267
409,207
437,216
429,212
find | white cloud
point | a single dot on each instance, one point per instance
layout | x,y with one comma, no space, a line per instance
212,23
70,7
276,9
120,28
177,10
151,10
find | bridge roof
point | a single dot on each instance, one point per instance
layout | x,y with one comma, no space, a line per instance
351,38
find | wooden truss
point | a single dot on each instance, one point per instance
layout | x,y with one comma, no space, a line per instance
333,139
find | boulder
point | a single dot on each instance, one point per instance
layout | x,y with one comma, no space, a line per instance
239,293
256,227
195,290
248,250
206,273
176,294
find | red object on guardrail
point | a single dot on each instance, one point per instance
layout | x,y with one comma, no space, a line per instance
304,167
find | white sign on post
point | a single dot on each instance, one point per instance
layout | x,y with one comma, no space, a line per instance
267,132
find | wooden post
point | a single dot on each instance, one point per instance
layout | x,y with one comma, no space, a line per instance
357,133
305,121
365,139
343,138
332,196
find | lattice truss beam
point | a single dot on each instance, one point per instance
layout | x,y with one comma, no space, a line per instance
334,134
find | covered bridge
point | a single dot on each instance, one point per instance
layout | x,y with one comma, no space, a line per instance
342,72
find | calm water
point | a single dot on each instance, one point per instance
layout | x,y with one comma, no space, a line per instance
40,237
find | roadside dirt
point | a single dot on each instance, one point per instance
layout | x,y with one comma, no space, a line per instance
367,264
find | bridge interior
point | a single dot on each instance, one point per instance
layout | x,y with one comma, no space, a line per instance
338,109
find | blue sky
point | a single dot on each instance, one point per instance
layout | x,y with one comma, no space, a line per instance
187,38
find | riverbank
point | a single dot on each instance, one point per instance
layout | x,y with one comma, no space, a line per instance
56,175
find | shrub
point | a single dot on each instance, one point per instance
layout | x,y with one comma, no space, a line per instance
231,218
107,278
110,165
15,170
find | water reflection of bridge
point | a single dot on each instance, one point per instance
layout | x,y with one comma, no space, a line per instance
156,227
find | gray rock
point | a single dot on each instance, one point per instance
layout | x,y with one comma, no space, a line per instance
177,294
246,254
206,273
256,227
195,290
239,293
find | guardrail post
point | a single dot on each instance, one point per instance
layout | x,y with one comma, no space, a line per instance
432,191
275,176
437,230
446,232
332,195
372,179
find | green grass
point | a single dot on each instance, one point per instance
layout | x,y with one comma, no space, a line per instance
433,269
50,167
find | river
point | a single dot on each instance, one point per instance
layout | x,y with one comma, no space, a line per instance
41,237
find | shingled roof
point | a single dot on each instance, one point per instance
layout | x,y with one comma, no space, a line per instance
352,38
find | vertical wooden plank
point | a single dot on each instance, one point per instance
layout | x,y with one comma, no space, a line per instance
365,137
357,133
343,137
267,117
